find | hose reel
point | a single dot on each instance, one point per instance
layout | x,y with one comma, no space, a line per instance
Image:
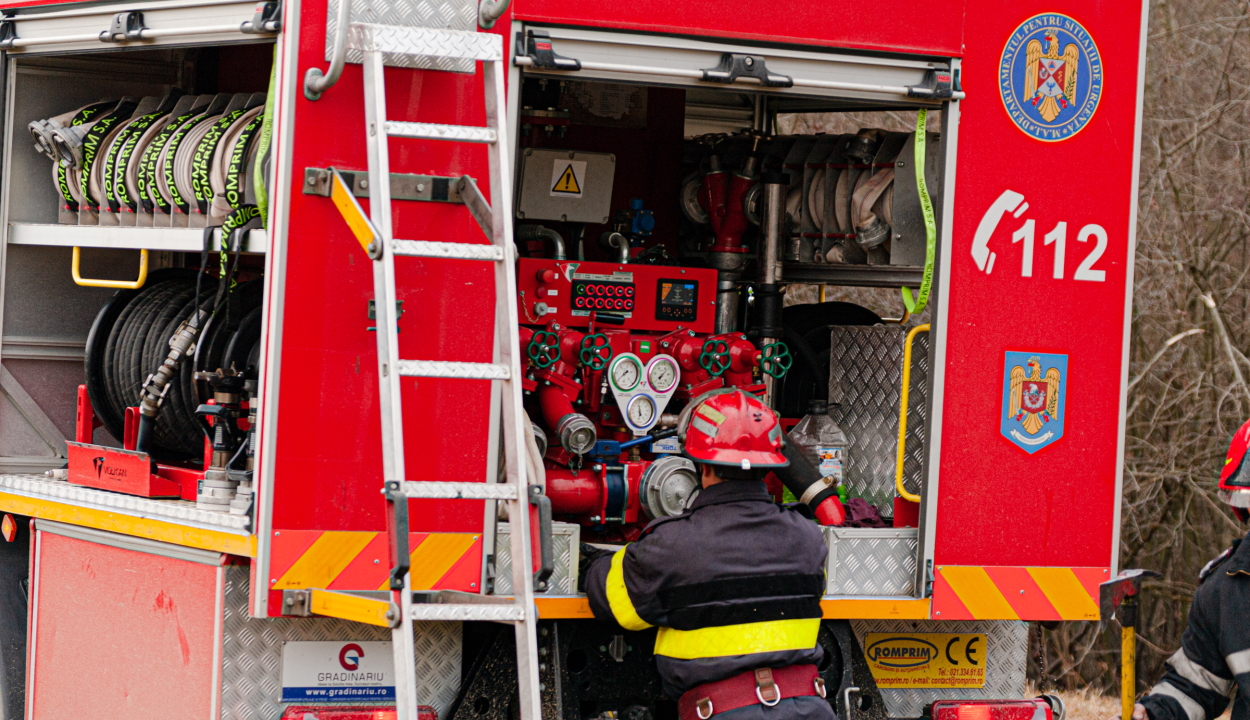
129,340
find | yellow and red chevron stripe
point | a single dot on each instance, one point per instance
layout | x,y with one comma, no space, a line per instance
963,592
341,560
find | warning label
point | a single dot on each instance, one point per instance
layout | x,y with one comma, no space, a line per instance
926,660
568,178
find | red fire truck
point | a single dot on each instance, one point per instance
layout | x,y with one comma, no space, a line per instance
331,330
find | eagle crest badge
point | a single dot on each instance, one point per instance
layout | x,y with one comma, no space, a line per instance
1033,399
1050,77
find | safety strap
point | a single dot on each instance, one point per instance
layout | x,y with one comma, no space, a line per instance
62,172
119,159
917,304
260,176
93,140
149,196
202,163
169,168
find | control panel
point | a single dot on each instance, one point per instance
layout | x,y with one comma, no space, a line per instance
650,298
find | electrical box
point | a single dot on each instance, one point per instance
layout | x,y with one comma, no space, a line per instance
566,185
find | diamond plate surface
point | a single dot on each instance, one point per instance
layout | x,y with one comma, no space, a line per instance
458,490
443,14
1007,645
424,42
567,539
871,561
431,131
866,375
179,511
493,613
461,251
252,654
461,370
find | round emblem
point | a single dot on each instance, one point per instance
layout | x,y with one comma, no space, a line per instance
1050,77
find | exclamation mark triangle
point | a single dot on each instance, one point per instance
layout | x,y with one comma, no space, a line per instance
567,183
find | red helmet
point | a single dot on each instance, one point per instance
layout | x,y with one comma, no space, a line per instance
1235,477
731,427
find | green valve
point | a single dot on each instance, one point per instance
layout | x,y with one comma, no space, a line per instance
544,348
776,359
595,351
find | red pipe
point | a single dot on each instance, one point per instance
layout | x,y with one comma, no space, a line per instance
555,405
830,511
579,493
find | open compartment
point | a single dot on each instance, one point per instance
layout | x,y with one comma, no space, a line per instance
654,269
99,284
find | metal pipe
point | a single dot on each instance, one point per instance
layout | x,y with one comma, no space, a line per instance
316,82
726,303
538,232
775,187
621,244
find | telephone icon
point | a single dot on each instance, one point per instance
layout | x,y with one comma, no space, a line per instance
1009,202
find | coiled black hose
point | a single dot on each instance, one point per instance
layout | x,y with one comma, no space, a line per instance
130,339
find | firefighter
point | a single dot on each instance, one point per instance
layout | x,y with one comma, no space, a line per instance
1214,659
734,583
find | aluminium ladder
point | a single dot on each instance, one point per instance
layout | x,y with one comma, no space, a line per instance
495,219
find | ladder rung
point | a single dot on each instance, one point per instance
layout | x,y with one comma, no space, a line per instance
461,370
459,490
424,42
497,613
462,251
431,131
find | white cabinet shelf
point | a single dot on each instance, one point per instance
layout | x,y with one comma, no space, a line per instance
125,238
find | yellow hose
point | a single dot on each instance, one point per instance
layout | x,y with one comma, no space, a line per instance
902,414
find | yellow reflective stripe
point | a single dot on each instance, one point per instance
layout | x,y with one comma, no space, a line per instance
745,639
618,596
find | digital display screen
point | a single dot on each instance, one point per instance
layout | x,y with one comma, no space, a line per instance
678,294
677,300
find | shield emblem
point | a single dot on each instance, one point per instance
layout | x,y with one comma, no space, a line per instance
1033,399
1050,77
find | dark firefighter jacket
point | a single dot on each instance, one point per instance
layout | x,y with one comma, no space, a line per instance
734,584
1214,659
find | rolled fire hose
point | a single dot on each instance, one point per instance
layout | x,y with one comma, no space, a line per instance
535,471
168,161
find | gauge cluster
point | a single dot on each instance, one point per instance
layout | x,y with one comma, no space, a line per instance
642,391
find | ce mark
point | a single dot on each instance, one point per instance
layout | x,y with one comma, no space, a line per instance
970,652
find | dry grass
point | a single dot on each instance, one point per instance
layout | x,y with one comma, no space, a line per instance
1089,704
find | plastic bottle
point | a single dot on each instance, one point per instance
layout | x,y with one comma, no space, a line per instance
822,441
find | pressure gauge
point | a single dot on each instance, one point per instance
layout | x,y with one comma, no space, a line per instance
662,373
641,412
626,372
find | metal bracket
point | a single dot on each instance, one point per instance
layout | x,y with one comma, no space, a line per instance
8,33
472,197
733,66
430,188
297,603
939,84
268,18
126,26
397,530
538,48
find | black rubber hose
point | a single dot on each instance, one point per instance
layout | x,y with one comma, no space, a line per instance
809,358
143,438
800,475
